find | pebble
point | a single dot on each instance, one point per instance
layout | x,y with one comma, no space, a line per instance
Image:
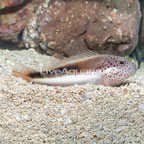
141,107
67,121
63,111
120,129
123,122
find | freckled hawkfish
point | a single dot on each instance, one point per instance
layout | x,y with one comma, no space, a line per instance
87,67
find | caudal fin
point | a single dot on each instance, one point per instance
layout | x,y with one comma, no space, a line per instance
23,72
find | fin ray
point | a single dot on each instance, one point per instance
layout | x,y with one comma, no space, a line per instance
62,61
23,72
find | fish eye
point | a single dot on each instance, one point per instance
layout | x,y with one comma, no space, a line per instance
121,62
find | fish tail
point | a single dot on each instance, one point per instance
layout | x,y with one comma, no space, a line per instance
23,72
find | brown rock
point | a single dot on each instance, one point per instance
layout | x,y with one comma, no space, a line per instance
69,26
14,15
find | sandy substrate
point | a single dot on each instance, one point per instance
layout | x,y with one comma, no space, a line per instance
35,114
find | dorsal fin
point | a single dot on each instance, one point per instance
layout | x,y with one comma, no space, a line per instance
62,61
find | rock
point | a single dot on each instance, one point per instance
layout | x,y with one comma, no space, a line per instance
14,15
70,26
9,3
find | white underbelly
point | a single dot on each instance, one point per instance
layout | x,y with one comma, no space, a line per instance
70,80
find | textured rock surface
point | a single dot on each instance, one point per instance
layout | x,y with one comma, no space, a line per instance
14,15
9,3
70,26
36,114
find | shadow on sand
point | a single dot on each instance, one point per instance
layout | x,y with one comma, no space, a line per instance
9,46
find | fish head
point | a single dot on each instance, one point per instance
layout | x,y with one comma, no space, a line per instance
116,70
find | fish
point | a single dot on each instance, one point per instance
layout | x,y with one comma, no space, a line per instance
83,68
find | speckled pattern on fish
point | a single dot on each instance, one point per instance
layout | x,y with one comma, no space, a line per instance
81,69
